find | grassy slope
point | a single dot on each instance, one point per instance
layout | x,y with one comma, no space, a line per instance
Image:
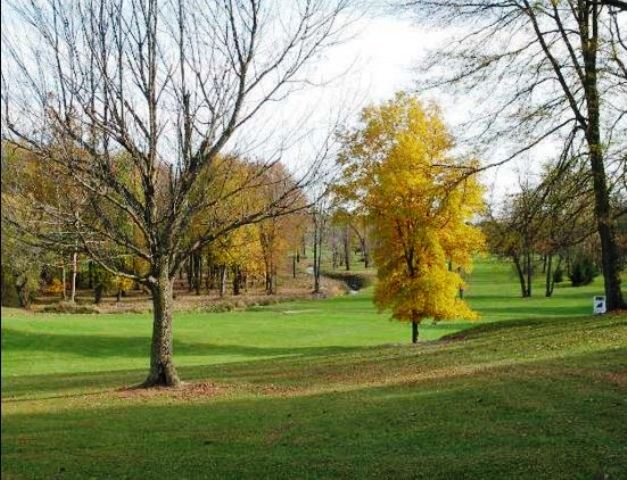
302,390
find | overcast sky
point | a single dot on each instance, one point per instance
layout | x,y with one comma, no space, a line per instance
383,56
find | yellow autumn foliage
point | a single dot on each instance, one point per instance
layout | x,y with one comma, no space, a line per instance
419,200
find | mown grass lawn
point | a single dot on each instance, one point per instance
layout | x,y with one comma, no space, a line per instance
324,389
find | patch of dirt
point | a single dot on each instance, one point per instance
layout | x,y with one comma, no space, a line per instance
617,378
185,391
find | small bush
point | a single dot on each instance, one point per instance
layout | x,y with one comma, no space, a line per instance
354,281
582,271
55,287
558,275
67,307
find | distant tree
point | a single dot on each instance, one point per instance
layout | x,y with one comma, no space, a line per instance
419,203
320,213
566,217
513,233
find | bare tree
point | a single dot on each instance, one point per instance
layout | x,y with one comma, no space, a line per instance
320,217
134,101
544,71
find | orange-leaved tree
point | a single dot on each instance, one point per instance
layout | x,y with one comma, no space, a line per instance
400,166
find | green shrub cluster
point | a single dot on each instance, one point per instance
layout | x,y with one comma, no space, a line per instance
582,271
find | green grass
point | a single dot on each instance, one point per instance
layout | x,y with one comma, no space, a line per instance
324,389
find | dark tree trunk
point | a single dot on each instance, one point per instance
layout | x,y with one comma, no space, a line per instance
610,257
90,269
316,258
209,275
23,293
269,282
294,267
548,265
190,274
521,276
74,273
529,273
236,280
414,332
347,250
98,293
162,370
198,272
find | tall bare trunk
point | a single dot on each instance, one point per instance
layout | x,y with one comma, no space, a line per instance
74,272
347,250
521,275
162,370
198,272
222,280
414,327
63,280
548,266
610,257
316,256
529,272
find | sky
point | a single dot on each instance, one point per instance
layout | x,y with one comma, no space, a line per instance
382,56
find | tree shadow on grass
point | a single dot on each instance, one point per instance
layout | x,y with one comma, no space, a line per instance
535,310
103,346
513,326
504,423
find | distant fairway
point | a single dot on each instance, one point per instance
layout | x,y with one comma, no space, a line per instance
320,389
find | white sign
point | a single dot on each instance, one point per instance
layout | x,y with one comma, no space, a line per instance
598,305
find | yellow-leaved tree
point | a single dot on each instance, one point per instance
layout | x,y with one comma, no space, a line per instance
420,200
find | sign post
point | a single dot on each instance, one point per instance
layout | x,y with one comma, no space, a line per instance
598,305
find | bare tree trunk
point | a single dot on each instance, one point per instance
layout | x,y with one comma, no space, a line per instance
91,274
237,280
162,370
222,280
198,272
268,281
610,257
23,292
414,331
347,253
190,274
529,273
316,256
294,266
548,265
63,280
521,276
209,274
74,272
